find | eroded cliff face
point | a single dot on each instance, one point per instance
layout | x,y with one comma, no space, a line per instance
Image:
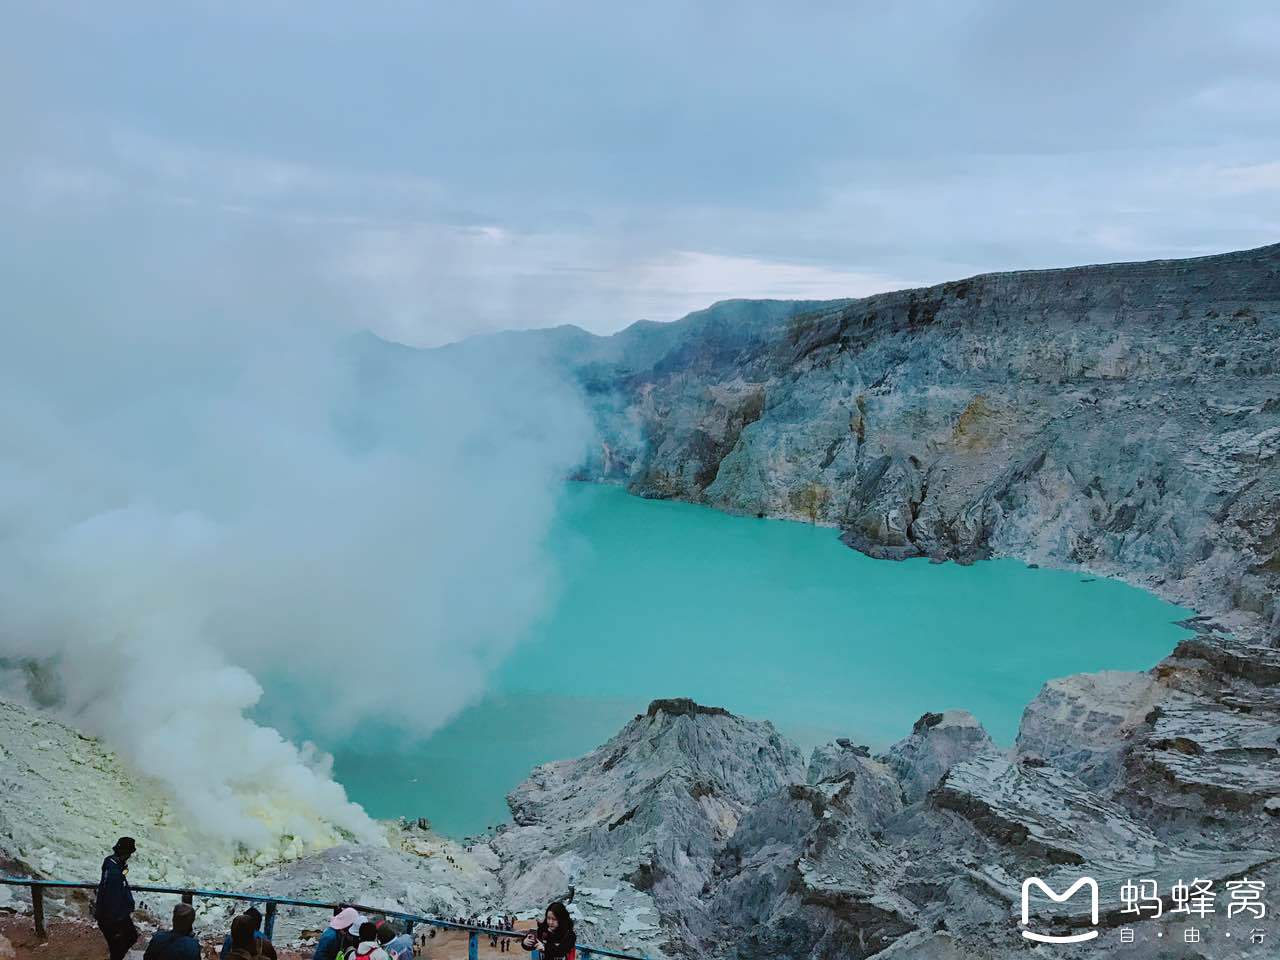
1124,419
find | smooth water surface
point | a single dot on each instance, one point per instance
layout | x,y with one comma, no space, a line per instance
770,619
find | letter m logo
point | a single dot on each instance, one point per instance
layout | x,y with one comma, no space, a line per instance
1048,891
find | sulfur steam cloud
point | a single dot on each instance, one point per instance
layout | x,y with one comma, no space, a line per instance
208,473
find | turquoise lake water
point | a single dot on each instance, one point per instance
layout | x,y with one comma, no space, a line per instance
773,620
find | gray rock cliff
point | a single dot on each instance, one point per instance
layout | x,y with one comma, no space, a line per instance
1122,418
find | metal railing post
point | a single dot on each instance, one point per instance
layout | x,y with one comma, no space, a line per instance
473,946
269,920
37,910
584,953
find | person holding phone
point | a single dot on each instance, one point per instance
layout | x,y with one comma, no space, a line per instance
554,939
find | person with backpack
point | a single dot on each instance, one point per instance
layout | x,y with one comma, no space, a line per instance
178,942
554,939
337,936
368,948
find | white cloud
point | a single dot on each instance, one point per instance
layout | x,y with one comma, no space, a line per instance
688,280
434,283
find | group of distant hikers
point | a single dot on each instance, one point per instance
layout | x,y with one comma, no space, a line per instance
502,922
348,936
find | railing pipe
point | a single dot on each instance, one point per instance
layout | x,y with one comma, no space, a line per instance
188,894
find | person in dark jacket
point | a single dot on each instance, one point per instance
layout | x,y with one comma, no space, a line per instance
554,939
263,945
177,943
114,910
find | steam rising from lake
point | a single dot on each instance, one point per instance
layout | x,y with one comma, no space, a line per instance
195,488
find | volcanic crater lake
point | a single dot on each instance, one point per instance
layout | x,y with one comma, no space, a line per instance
770,619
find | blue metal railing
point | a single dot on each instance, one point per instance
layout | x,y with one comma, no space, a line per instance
188,894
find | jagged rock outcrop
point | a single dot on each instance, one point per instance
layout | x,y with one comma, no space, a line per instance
871,784
1081,723
919,853
937,743
640,820
1208,753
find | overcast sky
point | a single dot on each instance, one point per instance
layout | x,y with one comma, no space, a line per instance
431,170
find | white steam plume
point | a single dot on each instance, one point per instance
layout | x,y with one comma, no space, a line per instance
205,473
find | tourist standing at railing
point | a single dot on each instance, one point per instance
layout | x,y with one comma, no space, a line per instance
554,939
114,910
177,943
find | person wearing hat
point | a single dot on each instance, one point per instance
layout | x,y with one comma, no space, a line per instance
114,909
177,943
335,938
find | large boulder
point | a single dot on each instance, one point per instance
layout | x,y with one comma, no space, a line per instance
644,816
1082,723
938,741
